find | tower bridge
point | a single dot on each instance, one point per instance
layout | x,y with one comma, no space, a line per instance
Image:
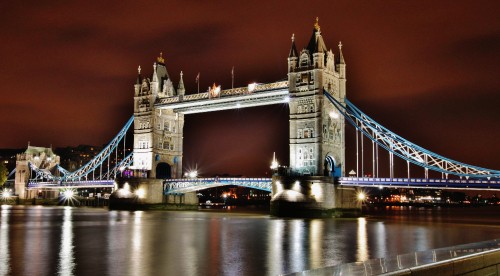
315,91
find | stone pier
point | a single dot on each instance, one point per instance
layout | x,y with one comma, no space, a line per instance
312,196
147,193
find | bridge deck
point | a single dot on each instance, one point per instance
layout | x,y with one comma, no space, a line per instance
73,184
261,94
185,185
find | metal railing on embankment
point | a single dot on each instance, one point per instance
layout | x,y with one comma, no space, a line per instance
481,258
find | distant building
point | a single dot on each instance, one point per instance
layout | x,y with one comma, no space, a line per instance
42,158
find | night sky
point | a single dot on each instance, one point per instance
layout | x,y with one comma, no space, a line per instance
427,70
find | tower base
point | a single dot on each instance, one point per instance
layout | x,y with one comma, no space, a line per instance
312,196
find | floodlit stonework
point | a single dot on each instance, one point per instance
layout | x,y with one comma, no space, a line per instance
317,139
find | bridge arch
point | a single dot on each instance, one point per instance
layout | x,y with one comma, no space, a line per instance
163,171
331,167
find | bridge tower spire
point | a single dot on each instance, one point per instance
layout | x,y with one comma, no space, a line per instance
317,141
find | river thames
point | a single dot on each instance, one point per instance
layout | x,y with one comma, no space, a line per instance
37,240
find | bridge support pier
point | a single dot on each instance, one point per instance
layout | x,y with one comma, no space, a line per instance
312,196
187,199
147,193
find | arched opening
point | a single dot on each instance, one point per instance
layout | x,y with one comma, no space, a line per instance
331,168
163,171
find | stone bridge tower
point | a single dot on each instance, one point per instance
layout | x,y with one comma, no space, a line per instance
157,132
317,140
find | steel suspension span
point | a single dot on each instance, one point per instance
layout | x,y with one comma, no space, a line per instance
91,166
405,149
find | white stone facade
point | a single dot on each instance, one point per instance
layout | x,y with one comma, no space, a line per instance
157,132
316,128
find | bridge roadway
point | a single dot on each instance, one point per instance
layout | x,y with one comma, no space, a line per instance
253,95
173,186
73,184
185,185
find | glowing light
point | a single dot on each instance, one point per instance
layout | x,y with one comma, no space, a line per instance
287,99
193,174
126,187
140,193
274,163
361,196
6,194
252,86
68,194
334,115
316,190
238,105
296,186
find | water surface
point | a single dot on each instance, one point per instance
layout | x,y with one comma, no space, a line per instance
85,241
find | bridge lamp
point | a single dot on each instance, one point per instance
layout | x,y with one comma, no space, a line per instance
193,174
361,196
6,194
68,194
252,86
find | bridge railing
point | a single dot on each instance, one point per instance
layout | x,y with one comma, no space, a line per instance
184,185
422,261
227,92
422,183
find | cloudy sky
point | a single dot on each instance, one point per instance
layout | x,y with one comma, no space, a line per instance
428,70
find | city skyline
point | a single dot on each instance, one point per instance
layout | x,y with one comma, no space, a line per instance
426,71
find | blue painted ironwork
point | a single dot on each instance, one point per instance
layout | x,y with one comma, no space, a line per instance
185,185
47,179
99,158
424,183
11,173
127,161
62,170
406,149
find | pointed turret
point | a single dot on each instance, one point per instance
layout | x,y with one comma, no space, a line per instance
293,56
341,56
137,85
181,90
316,43
155,76
293,49
139,77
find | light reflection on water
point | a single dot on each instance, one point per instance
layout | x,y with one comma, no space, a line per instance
362,241
4,240
72,241
66,259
